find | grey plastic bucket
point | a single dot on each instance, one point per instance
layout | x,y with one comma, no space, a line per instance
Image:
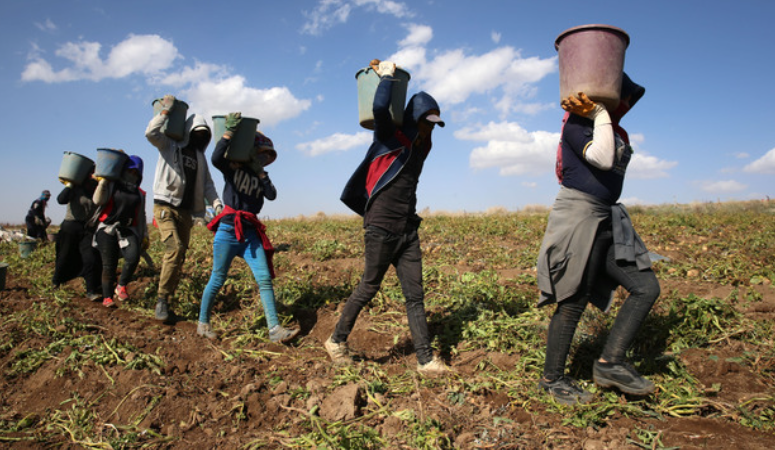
75,168
26,248
175,128
592,61
219,127
3,274
243,141
110,163
367,87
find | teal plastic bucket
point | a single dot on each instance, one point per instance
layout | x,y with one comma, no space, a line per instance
3,274
243,141
219,127
367,87
110,163
75,168
27,247
591,61
175,128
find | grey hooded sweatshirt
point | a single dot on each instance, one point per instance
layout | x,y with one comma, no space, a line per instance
169,182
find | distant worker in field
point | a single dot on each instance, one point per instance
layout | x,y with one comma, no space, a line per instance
383,190
36,219
182,189
590,248
238,232
121,229
75,255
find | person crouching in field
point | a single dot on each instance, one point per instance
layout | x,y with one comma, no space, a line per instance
590,248
75,255
238,232
181,188
121,229
383,190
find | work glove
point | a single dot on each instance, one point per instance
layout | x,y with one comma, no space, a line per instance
582,106
218,209
39,222
383,68
66,183
168,103
232,123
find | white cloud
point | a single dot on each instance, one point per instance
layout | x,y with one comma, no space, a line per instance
337,142
330,13
511,148
644,166
765,164
496,37
396,9
270,106
210,89
47,26
742,155
530,184
632,201
453,76
722,186
141,54
419,35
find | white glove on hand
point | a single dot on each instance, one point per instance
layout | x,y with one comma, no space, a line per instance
386,68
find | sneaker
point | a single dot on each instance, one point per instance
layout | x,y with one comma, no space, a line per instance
108,302
162,310
339,352
203,329
621,376
93,296
566,391
281,334
121,294
434,367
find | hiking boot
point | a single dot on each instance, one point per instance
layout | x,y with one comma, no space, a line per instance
162,310
109,303
434,367
339,352
565,390
621,376
93,296
121,294
281,334
203,329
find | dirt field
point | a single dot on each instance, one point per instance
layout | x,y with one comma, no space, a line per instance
78,375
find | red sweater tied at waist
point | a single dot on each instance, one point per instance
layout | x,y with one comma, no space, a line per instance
239,217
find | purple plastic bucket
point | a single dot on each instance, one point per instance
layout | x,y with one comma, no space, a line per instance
592,61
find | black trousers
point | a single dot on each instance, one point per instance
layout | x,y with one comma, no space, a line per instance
642,286
76,257
111,251
403,252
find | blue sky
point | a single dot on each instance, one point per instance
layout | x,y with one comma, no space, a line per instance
81,75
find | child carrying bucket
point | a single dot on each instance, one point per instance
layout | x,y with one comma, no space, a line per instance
238,232
121,227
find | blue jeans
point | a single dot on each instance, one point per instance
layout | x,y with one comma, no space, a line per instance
642,286
402,251
225,248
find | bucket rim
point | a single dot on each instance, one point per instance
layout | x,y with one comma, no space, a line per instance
78,154
366,69
589,27
177,101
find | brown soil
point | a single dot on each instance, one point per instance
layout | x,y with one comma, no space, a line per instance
204,400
